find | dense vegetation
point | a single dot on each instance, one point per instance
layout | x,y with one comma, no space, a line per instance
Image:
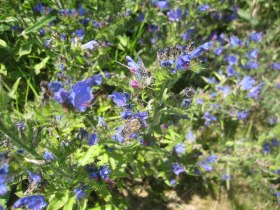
122,104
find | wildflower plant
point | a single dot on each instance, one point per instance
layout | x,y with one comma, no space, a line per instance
97,97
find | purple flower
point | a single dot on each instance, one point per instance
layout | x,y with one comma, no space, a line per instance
90,45
92,139
226,177
172,182
225,90
47,43
242,115
232,59
211,159
209,118
34,178
199,101
179,149
183,62
120,99
118,136
235,41
134,67
201,50
174,15
186,36
218,51
143,116
20,125
82,11
251,65
256,36
79,33
177,168
126,114
230,71
80,193
247,83
255,91
206,167
190,137
266,148
81,95
48,156
36,202
104,171
203,8
275,66
252,54
162,4
39,8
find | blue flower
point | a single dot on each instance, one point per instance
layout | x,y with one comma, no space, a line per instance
186,36
101,122
256,36
36,202
252,54
177,168
209,118
235,41
218,51
211,159
255,91
232,59
79,33
225,90
275,66
199,101
39,8
200,50
81,10
247,83
183,62
161,4
80,193
34,178
143,116
242,115
126,114
104,171
92,139
48,156
266,148
90,45
174,15
226,177
172,182
251,65
179,149
120,99
80,96
118,136
203,8
207,167
230,71
20,125
134,67
3,178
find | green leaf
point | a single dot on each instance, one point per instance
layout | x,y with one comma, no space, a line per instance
41,65
246,16
25,49
41,23
59,200
3,69
69,204
3,44
84,158
13,91
4,27
104,207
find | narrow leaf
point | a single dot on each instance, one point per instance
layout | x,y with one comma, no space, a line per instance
41,65
13,91
41,23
